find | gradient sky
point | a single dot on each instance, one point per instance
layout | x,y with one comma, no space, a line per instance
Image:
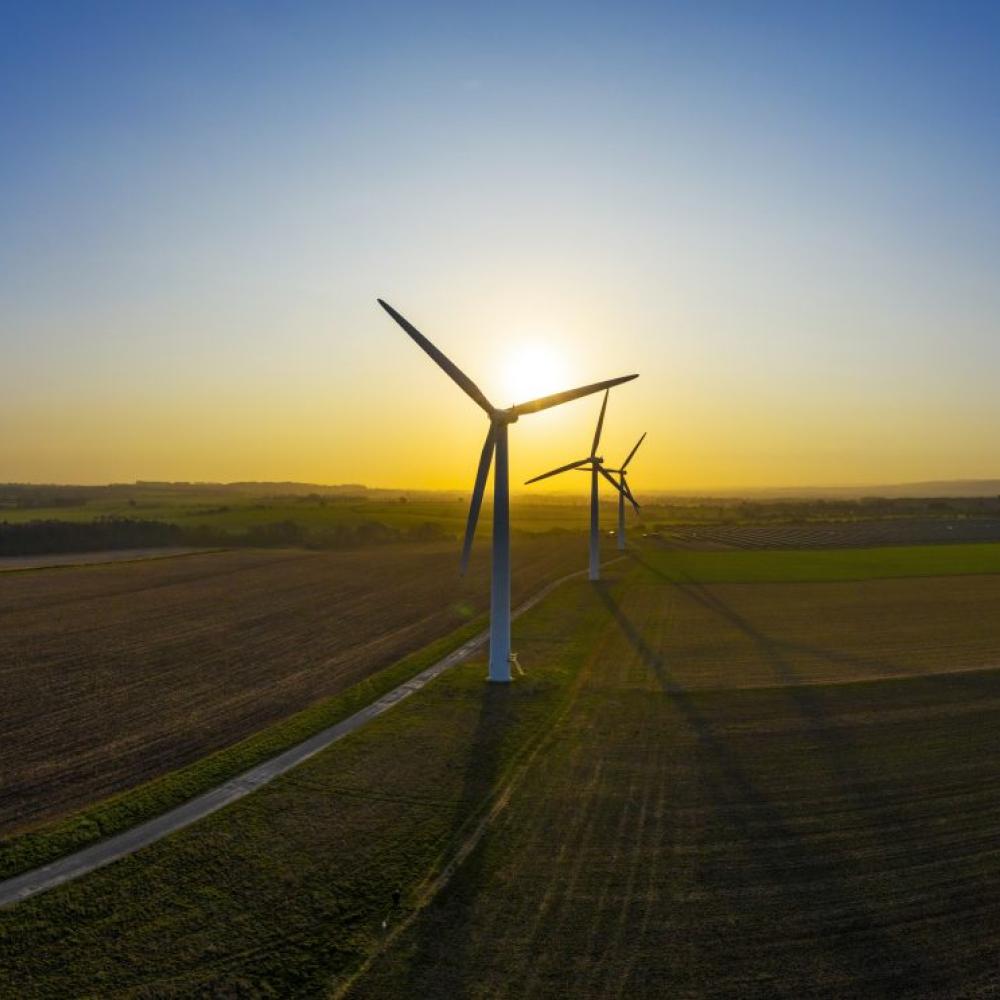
786,217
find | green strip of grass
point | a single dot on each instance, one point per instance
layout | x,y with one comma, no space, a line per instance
34,848
284,892
821,565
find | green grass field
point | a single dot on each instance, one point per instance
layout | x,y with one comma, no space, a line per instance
230,512
817,565
218,516
710,789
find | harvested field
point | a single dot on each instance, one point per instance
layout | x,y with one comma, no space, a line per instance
846,534
698,806
113,674
821,841
748,635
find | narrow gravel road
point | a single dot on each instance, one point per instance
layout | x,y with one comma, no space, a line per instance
72,866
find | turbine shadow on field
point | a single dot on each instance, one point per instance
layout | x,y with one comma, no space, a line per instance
442,942
771,646
769,841
841,754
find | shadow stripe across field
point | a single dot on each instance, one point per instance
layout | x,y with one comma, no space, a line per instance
121,845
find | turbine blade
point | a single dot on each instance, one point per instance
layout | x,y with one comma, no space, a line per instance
444,362
485,460
555,472
534,405
611,479
634,450
628,495
600,423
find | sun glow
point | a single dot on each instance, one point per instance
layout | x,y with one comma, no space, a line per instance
532,369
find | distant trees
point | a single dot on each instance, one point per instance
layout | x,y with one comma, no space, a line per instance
428,531
276,534
40,537
50,536
367,533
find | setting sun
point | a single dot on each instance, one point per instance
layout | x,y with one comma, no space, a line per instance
532,369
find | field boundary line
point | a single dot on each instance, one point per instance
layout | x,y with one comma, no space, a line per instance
72,866
152,553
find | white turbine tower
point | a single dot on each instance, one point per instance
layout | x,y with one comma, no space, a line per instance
625,493
595,465
496,441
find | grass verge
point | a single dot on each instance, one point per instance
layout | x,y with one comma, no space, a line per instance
284,892
34,848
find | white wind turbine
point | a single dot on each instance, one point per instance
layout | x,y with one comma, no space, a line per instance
624,493
593,464
496,441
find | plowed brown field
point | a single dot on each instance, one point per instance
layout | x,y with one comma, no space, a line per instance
114,674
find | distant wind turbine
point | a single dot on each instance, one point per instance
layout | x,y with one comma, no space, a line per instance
496,441
624,492
595,465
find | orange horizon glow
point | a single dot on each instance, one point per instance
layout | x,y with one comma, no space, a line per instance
784,223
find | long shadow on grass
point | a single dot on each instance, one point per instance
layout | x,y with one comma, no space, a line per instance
841,754
436,962
861,942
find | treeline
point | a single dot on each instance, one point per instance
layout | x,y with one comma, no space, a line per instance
801,511
40,537
52,536
35,499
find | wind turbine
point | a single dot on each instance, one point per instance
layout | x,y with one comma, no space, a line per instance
595,465
496,441
625,493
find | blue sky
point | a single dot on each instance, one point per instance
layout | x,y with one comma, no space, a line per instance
786,216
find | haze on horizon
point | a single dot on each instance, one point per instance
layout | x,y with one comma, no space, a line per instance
786,219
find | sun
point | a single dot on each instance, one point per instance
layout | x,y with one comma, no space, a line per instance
530,369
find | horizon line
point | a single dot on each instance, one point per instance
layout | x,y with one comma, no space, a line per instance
697,491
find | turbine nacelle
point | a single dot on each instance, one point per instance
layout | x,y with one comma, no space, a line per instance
595,463
495,445
499,417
